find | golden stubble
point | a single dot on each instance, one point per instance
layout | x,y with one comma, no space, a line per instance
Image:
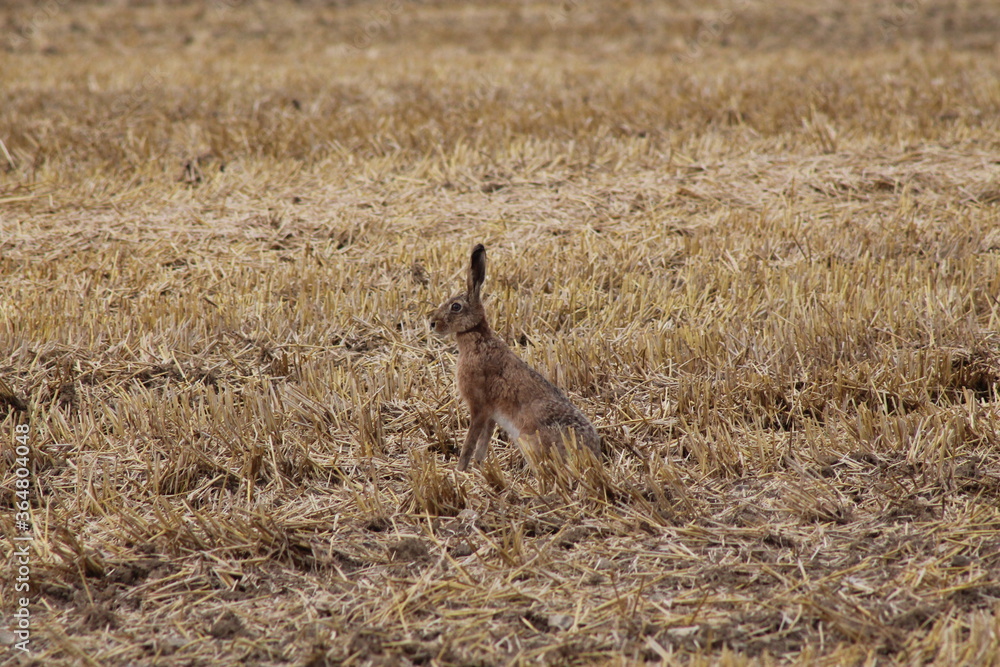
765,267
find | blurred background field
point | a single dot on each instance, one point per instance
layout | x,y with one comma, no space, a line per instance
757,243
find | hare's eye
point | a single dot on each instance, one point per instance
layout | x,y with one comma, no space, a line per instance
456,307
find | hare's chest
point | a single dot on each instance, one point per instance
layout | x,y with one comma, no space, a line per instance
479,380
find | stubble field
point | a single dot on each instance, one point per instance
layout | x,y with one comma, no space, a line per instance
757,243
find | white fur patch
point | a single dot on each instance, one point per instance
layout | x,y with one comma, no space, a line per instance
507,425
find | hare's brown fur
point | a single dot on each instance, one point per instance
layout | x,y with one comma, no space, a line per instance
500,388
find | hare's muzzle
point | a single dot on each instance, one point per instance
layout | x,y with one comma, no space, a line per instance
438,326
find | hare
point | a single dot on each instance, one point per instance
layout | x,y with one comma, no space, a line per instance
500,388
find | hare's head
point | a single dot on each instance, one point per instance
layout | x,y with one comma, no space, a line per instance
464,312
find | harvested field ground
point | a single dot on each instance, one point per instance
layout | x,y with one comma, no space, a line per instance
757,243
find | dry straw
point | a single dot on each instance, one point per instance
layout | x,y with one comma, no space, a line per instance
769,273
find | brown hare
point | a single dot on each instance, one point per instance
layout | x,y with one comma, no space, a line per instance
499,388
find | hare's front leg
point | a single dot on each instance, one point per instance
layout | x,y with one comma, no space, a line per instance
481,424
483,444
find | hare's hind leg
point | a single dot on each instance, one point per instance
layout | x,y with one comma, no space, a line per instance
480,429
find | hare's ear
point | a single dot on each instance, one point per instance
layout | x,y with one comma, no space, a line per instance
477,272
